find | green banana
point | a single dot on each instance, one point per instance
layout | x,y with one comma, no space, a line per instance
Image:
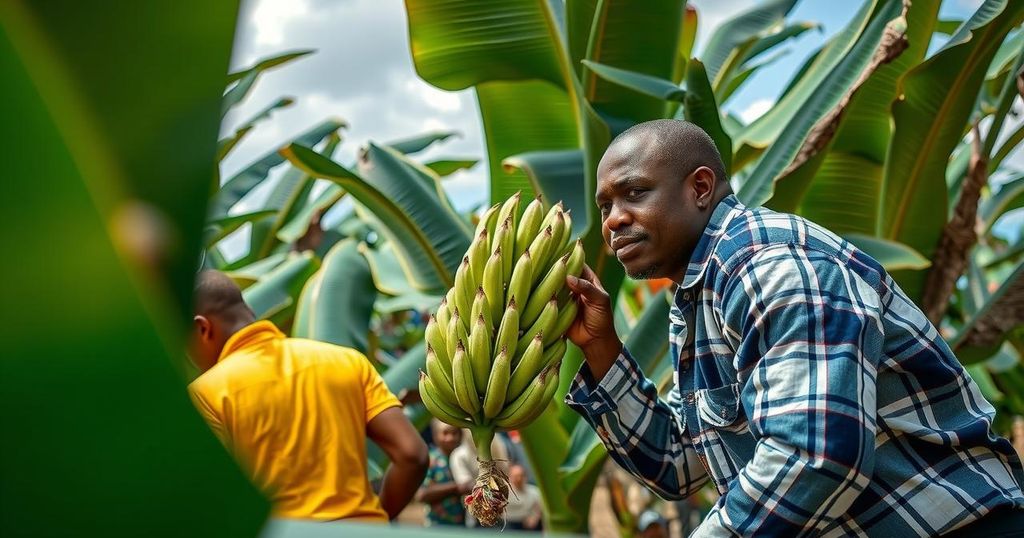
505,239
560,232
464,288
554,352
478,251
576,259
480,353
441,410
568,230
442,313
456,331
545,323
497,384
542,292
508,330
529,225
527,368
540,251
462,379
510,210
488,221
522,277
527,402
493,284
566,315
482,308
435,337
441,378
533,409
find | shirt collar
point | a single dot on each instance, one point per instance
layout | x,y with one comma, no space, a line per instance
719,222
250,335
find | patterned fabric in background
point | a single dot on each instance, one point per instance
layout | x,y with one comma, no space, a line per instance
450,510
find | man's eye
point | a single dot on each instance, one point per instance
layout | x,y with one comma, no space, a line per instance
634,193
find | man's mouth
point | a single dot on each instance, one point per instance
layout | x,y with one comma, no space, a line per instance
627,245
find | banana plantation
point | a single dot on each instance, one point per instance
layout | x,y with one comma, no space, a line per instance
895,135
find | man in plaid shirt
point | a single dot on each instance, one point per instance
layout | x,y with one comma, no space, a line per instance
811,392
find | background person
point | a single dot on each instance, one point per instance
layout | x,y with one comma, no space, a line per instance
296,413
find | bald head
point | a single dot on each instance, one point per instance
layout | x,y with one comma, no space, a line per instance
219,312
681,145
217,295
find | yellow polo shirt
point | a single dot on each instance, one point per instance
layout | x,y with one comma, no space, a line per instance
294,412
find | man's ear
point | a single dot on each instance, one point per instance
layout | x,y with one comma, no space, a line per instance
703,186
203,327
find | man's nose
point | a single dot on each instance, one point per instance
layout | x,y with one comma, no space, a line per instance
617,218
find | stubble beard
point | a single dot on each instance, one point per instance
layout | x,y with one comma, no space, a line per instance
646,273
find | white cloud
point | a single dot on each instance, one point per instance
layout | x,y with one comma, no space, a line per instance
756,109
269,19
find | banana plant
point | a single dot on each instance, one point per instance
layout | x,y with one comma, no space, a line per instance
556,85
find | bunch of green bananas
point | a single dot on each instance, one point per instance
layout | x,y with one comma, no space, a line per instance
495,344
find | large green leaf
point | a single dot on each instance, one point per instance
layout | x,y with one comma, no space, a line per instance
1009,196
98,423
700,107
520,117
297,226
276,293
579,15
938,97
244,181
892,255
341,299
1009,51
556,176
615,41
421,142
767,128
741,29
248,275
641,83
220,228
461,43
425,267
447,167
406,185
760,185
289,198
225,145
245,79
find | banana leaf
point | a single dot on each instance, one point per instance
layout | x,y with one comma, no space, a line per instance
82,138
939,97
422,262
641,83
244,80
760,185
340,300
275,294
1010,196
555,176
892,255
447,167
225,145
421,142
220,228
700,107
743,28
252,175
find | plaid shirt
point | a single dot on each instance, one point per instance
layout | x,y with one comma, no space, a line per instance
812,393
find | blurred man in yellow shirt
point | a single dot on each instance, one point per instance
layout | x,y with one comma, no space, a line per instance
297,413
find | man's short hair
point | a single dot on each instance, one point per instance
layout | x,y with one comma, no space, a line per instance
215,294
686,146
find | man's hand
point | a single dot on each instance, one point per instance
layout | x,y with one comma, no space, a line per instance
594,328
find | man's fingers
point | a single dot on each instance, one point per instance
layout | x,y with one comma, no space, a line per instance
587,289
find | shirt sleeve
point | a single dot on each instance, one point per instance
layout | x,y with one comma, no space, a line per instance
378,397
643,434
810,333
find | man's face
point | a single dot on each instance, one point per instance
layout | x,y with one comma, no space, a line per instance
517,476
649,215
447,438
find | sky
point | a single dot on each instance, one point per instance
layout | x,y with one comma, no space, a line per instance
362,72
